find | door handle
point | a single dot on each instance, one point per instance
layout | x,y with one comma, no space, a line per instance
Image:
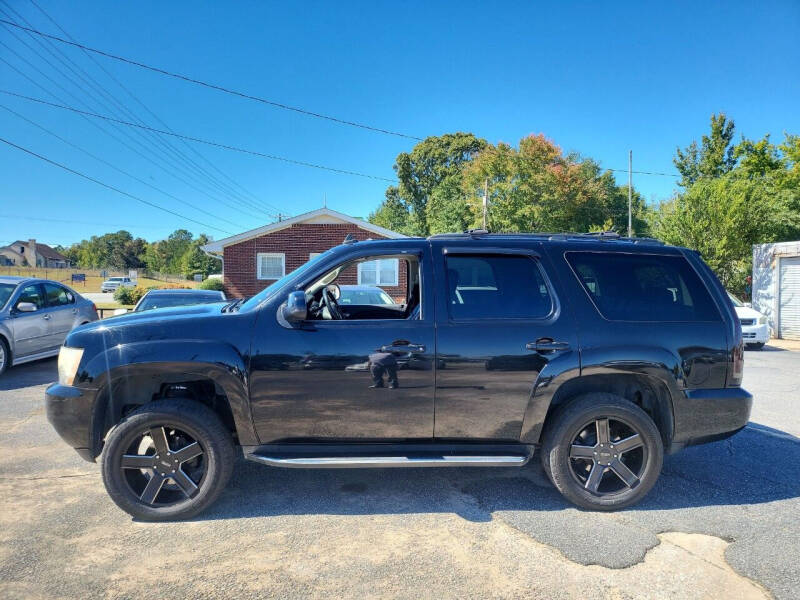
546,345
46,317
416,348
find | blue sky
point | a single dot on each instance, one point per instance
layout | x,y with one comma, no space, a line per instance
597,77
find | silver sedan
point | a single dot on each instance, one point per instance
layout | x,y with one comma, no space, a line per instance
35,317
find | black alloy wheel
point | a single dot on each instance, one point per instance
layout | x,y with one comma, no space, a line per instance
602,452
167,460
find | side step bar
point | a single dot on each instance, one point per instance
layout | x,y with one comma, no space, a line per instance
349,462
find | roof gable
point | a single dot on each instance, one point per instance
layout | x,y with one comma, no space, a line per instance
42,249
320,216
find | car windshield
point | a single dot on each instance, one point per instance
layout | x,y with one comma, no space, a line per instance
6,289
735,300
254,301
376,296
166,300
115,278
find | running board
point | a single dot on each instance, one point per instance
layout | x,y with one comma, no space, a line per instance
350,462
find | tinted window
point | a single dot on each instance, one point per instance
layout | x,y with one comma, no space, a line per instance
57,295
32,294
496,287
642,287
167,300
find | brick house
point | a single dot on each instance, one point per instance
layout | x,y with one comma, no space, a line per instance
254,259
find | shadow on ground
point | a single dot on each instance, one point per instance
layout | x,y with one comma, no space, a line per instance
37,372
738,471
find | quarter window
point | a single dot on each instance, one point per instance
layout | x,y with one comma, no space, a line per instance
496,287
271,265
643,287
378,272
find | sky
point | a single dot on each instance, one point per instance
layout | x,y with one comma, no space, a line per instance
599,78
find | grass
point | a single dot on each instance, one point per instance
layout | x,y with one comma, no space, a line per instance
93,278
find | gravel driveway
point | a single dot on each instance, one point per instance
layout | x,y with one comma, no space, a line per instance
721,521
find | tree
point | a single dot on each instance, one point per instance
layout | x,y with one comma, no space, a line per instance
392,213
538,188
713,158
420,172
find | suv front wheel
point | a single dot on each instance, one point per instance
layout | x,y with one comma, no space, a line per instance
602,452
167,460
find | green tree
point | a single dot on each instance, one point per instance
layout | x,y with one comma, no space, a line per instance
537,188
419,173
712,158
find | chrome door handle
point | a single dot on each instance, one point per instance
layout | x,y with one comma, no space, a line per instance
46,317
547,345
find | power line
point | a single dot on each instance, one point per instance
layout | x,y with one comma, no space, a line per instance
110,187
644,172
105,162
213,86
171,156
200,140
74,222
144,106
114,137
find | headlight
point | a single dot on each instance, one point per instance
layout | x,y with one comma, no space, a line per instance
68,361
762,320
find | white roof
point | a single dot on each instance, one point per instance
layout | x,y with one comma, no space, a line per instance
319,216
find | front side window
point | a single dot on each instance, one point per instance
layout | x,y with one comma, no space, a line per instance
496,287
643,287
32,294
378,272
271,265
57,295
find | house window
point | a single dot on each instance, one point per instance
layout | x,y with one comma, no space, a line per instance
378,272
270,265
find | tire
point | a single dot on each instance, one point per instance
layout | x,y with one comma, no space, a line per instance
201,469
5,356
594,477
756,346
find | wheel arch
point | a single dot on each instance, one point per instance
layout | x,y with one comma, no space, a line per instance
131,381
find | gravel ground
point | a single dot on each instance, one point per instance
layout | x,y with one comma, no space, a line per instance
721,521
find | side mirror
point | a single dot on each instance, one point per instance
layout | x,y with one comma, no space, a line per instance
26,307
295,309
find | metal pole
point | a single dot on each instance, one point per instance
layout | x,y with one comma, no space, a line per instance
630,192
485,200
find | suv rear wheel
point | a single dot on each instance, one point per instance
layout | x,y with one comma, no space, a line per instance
167,460
602,452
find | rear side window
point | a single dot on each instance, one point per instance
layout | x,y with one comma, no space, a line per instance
57,295
643,287
496,287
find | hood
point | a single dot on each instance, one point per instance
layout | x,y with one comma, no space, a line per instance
743,312
197,321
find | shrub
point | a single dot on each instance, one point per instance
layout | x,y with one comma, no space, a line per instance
129,296
212,284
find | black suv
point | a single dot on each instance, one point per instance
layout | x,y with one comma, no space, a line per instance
599,353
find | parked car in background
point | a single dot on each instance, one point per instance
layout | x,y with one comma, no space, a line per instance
35,317
165,298
112,283
755,330
364,294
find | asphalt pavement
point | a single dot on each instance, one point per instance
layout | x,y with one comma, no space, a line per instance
721,522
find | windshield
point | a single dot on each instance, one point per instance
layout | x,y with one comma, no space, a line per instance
254,301
164,300
115,278
6,289
735,300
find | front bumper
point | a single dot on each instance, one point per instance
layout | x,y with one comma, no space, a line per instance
755,334
70,410
708,415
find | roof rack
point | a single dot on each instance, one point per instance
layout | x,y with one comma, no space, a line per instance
605,236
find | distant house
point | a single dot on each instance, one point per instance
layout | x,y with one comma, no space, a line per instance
254,259
32,254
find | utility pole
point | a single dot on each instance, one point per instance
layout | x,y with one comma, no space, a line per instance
630,192
485,200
